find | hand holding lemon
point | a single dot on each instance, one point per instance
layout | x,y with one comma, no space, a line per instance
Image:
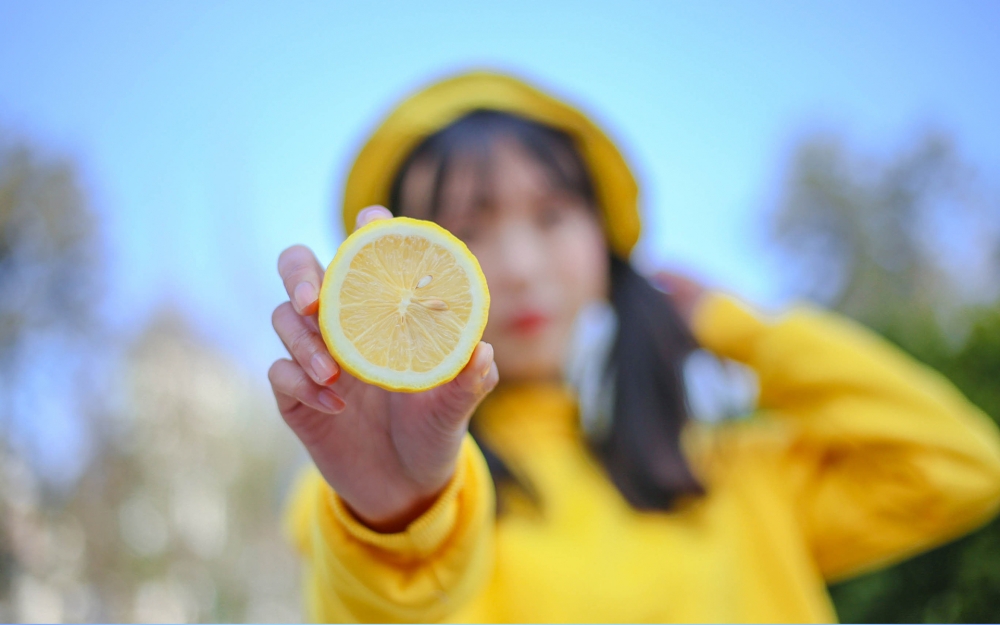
383,410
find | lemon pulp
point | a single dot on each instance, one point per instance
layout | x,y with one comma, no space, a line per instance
403,304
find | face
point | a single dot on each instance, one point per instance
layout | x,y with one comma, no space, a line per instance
542,251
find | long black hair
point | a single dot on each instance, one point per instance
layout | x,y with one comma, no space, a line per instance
641,451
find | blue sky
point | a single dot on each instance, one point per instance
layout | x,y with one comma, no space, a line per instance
213,135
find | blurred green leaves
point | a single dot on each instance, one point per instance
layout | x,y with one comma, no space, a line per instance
910,246
171,511
49,276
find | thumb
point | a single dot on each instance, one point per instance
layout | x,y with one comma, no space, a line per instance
461,396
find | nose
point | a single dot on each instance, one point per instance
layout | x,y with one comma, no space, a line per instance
521,256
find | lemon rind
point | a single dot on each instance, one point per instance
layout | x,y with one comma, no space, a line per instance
344,351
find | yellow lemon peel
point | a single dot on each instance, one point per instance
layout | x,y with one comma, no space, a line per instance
403,304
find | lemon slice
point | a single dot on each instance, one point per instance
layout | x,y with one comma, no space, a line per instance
403,304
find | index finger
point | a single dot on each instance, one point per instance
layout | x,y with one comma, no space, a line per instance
302,275
370,214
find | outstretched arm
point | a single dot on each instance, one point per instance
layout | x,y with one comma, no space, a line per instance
404,536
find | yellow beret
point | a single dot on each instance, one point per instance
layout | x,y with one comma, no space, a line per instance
442,103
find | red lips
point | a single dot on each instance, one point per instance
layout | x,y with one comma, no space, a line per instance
527,323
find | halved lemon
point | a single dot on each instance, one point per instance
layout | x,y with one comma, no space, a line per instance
403,304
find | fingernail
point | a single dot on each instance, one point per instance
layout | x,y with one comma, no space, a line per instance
368,215
365,216
305,294
331,401
323,367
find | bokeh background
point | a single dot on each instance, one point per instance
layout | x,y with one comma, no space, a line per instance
156,157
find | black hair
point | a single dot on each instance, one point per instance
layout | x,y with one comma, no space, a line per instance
641,451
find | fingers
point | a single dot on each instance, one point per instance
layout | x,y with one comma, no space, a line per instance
302,275
301,272
476,379
454,402
370,214
684,292
304,344
293,387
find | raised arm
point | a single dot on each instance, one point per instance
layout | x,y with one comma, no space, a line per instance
887,458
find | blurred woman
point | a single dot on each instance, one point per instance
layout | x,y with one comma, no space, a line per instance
587,492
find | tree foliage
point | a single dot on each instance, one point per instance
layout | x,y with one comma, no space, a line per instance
909,246
173,516
48,247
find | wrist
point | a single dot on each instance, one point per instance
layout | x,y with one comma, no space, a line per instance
395,514
463,500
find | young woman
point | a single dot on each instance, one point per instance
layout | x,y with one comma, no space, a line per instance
587,494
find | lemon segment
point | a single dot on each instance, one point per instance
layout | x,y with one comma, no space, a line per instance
403,304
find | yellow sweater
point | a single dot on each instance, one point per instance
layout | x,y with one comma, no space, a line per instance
858,457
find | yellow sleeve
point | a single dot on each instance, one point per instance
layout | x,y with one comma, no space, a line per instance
423,574
887,458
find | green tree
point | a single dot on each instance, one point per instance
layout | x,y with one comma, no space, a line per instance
910,246
49,273
174,516
48,248
50,278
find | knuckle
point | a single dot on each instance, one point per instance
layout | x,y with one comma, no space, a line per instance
272,373
465,385
277,375
290,252
492,380
302,342
293,260
300,386
288,378
462,393
280,315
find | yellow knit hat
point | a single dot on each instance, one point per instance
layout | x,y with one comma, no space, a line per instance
442,103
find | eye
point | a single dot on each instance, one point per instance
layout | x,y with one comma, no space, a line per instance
466,234
463,222
469,228
551,215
